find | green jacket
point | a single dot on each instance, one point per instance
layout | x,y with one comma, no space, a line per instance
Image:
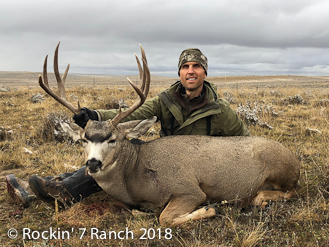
215,118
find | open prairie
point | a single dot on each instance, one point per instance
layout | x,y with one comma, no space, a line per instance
293,110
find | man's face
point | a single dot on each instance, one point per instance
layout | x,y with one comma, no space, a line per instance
192,76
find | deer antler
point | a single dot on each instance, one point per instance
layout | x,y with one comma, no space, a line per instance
145,77
60,82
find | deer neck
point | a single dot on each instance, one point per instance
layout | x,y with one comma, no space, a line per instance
112,178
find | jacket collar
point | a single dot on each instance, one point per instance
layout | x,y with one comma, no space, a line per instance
210,108
190,105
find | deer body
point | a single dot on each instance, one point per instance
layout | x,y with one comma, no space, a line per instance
192,170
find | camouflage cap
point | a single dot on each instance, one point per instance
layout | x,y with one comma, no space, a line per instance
193,55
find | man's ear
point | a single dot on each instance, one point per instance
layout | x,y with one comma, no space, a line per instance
136,128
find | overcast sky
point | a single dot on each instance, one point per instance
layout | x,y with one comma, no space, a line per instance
239,37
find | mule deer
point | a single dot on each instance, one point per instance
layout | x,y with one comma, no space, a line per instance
174,175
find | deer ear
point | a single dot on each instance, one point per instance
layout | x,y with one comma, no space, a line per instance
135,129
73,130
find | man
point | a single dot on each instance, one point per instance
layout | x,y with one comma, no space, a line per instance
191,106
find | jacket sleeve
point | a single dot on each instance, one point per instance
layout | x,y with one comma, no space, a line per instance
232,125
150,108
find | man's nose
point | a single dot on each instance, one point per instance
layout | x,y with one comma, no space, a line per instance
190,69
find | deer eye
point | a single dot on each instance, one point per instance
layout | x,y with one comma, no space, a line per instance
111,141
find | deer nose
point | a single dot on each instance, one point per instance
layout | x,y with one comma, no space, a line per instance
93,165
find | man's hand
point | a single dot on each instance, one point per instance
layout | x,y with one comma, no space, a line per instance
82,118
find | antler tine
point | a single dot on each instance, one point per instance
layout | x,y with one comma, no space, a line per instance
142,93
60,82
146,78
65,74
45,85
139,68
138,91
45,77
143,53
142,75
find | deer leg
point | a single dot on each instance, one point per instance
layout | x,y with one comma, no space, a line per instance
179,210
271,195
202,213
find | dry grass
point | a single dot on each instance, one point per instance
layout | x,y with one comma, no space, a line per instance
299,222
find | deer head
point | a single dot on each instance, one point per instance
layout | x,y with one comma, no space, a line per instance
102,139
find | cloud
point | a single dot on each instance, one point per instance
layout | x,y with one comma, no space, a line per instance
238,37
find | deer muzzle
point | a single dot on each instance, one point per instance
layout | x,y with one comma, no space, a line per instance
93,165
